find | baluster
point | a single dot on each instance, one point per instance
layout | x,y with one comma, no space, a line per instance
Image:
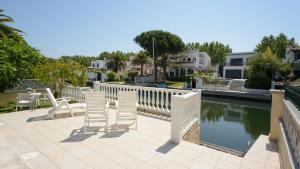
167,102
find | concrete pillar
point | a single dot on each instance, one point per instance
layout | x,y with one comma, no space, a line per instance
179,72
242,73
186,71
276,113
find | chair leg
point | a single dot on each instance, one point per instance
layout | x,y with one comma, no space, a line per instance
85,118
117,127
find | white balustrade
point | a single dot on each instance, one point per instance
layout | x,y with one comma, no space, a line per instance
185,113
149,98
75,93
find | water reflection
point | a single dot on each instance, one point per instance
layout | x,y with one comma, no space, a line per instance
233,123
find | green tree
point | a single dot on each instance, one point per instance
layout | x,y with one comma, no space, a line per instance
166,45
141,59
103,55
6,30
116,60
276,44
216,50
57,72
81,59
17,60
261,68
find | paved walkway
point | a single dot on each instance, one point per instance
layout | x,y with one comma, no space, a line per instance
27,141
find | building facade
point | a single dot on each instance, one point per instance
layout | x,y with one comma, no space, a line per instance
98,64
292,56
236,64
189,62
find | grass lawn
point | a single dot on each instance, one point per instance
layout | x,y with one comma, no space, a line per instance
175,84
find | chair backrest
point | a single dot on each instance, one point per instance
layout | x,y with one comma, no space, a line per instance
23,96
51,97
95,102
127,101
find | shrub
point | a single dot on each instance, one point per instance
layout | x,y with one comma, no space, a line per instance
131,74
111,76
179,79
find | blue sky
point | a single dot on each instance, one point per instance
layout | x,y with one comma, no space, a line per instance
69,27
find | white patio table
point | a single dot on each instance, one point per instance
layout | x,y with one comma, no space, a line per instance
36,98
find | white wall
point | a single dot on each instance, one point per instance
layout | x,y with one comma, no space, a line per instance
98,64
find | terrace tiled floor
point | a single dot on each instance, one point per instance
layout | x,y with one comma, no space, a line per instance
59,143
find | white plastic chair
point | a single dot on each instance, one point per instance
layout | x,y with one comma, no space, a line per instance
24,100
61,103
127,107
96,109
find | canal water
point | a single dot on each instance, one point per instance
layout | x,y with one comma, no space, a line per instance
233,124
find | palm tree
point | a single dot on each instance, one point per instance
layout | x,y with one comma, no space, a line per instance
141,58
116,61
6,30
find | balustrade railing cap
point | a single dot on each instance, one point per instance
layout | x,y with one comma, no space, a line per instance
276,91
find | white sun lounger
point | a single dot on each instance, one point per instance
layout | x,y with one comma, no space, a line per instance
61,103
96,109
127,107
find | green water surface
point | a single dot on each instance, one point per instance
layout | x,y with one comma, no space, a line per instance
233,123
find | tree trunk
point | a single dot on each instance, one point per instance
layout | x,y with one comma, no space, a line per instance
164,73
142,67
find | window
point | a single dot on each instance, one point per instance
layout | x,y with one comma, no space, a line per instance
200,61
236,62
189,59
97,64
172,74
93,64
194,59
184,59
297,56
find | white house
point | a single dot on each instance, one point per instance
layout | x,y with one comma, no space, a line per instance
96,69
292,54
98,64
236,64
189,62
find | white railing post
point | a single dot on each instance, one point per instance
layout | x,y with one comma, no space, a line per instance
185,113
176,121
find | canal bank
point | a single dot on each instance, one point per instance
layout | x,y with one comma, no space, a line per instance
236,94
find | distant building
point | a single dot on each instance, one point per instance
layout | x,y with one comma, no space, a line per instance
292,56
95,70
98,64
189,62
236,64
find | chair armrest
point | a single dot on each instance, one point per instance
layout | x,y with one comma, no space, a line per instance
107,105
63,98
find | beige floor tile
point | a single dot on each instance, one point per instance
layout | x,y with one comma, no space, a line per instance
172,165
199,165
209,160
157,161
147,166
189,153
273,160
96,161
131,163
69,162
143,155
117,166
251,164
226,165
232,158
183,160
